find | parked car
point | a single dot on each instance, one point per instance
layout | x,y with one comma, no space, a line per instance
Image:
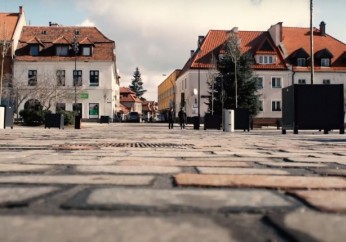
134,117
160,118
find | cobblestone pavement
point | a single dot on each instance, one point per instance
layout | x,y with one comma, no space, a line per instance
144,182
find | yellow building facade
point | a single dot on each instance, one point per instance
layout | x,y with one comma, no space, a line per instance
166,92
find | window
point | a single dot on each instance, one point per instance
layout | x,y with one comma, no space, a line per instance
326,81
94,78
86,50
93,110
34,50
260,104
301,62
77,78
78,108
61,50
276,82
301,81
60,107
259,81
60,77
32,78
325,62
266,59
276,106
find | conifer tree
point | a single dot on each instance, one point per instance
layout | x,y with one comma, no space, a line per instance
137,84
222,89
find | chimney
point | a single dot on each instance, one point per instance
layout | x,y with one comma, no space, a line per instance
21,9
192,52
53,24
200,40
323,28
234,30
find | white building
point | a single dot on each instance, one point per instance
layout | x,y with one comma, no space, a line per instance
47,67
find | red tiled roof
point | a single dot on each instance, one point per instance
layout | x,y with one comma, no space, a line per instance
8,23
251,41
127,95
51,35
296,38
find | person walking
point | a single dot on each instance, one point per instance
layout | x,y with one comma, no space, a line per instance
181,116
170,118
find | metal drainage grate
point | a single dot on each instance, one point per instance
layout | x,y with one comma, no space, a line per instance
122,145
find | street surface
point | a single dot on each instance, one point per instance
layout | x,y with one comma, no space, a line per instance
128,182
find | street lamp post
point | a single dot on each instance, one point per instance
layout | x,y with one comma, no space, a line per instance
75,80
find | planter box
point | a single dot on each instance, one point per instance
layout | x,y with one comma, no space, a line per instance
54,120
319,107
104,119
242,119
212,122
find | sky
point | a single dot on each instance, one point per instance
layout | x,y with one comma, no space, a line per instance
157,35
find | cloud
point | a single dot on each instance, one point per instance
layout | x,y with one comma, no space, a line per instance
87,23
157,35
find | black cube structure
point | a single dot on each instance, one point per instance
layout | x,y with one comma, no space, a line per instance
54,120
319,107
242,119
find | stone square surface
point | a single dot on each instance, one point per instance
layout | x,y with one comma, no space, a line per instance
290,164
78,179
129,169
35,228
263,181
197,199
23,168
249,171
331,201
183,163
19,194
306,225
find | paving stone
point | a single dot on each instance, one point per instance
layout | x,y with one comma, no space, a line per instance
76,179
129,169
330,172
10,195
196,199
265,181
305,225
290,164
23,168
228,170
332,201
110,229
315,159
160,162
69,160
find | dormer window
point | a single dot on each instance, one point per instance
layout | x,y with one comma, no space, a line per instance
266,59
325,62
86,50
34,50
301,62
325,57
61,50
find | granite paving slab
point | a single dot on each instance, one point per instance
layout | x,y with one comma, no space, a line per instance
263,181
305,225
10,195
330,172
336,201
186,199
23,168
129,169
290,164
78,179
162,162
228,170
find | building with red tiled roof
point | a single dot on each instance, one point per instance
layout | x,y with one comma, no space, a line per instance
129,100
11,25
281,58
77,64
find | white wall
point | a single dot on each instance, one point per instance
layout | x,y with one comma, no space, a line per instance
106,94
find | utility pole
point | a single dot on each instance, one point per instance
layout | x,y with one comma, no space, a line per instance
311,43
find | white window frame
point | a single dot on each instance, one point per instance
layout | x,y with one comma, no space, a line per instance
257,82
301,81
274,82
266,59
261,105
86,50
61,50
325,62
301,61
